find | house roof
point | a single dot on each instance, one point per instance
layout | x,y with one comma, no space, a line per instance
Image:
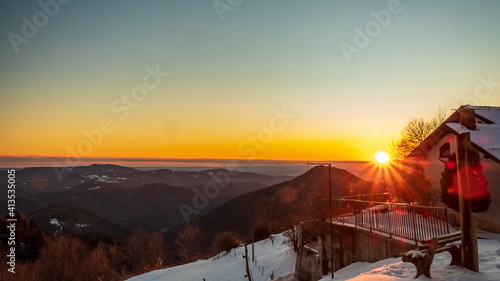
485,138
490,113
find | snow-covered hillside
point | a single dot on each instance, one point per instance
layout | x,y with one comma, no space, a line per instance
269,258
280,259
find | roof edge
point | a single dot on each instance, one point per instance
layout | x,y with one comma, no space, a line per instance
442,130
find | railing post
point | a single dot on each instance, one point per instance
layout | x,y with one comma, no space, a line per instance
404,218
342,211
414,224
370,218
389,220
446,220
355,220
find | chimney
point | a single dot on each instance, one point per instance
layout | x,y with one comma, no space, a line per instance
467,117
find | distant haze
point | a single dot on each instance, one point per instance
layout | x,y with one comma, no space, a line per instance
363,169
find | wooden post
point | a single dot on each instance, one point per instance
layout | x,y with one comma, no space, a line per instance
331,219
467,222
246,262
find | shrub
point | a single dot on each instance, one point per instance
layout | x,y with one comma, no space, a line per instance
62,259
225,241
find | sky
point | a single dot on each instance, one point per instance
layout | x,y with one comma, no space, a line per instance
236,79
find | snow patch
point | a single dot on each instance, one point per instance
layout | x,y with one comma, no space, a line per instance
55,222
104,178
415,254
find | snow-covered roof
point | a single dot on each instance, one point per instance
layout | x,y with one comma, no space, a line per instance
485,136
491,113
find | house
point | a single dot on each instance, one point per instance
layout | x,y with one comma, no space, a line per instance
438,148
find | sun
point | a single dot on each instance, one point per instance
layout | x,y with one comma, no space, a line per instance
382,157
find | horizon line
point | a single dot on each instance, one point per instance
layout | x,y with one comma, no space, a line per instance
7,161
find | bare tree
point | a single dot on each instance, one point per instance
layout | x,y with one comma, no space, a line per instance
145,250
189,243
415,131
62,259
97,264
292,238
317,210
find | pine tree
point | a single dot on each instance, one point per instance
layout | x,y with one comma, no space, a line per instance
417,186
479,194
33,247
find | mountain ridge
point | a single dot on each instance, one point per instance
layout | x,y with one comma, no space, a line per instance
277,201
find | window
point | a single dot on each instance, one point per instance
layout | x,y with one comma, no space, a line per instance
445,151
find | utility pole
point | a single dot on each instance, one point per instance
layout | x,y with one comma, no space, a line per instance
331,217
467,222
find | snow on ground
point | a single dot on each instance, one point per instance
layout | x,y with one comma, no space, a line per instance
55,221
269,257
104,178
394,269
281,260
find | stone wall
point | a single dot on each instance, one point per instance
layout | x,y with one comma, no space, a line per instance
308,265
355,245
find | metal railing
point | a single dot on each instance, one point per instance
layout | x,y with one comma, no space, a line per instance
411,222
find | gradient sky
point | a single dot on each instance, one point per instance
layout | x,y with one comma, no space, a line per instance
228,76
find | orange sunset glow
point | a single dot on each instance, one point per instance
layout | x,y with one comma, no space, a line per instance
256,83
